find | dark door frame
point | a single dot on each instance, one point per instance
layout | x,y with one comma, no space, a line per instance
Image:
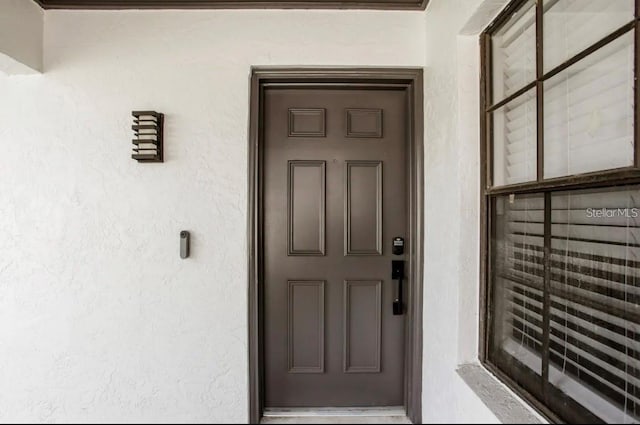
411,80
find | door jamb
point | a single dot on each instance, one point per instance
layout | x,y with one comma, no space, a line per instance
412,80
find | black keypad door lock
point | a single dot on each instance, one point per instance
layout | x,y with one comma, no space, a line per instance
397,273
398,246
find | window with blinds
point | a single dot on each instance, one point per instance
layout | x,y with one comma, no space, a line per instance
594,295
588,112
514,66
561,192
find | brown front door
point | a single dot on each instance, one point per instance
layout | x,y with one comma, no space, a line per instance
335,197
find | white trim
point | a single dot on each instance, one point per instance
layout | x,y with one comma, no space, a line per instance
335,411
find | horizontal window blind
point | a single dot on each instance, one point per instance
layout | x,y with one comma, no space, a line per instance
515,134
514,55
571,26
588,113
519,278
595,266
563,267
594,337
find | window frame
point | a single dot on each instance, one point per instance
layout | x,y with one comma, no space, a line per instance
488,193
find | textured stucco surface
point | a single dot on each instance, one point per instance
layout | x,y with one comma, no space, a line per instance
452,207
100,320
21,38
452,249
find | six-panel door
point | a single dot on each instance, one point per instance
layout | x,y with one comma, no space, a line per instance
334,198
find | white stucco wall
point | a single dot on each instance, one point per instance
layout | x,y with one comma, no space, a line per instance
452,222
100,320
21,27
452,213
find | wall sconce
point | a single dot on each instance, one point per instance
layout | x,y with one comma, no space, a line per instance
147,127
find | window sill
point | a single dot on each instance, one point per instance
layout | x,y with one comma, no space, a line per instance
505,405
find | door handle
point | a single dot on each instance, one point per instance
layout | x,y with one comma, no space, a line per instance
397,273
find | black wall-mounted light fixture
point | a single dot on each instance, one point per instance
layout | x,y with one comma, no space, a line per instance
148,130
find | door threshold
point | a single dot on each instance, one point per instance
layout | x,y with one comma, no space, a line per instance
335,415
286,412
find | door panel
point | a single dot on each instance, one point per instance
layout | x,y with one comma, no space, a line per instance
306,202
334,199
363,208
362,315
364,123
306,326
